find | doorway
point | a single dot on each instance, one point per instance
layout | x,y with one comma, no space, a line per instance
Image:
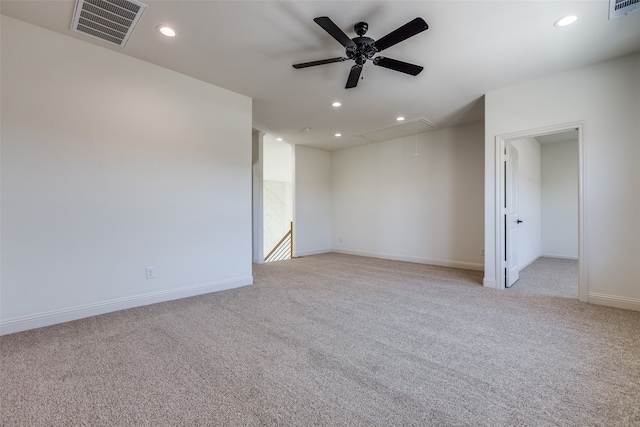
272,188
277,193
535,226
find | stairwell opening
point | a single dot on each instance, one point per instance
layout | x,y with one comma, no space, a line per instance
277,192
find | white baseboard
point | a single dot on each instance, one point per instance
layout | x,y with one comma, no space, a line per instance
522,267
419,260
560,256
310,252
38,320
614,301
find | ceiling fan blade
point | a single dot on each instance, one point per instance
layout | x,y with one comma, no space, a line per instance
354,76
409,29
394,64
335,32
320,62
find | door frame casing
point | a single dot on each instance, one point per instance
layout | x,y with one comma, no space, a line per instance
499,220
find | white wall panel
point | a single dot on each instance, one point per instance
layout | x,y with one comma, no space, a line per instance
312,201
109,165
559,213
417,198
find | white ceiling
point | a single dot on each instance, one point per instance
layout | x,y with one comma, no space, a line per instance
471,47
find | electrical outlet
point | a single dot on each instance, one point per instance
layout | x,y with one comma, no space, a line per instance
151,272
341,240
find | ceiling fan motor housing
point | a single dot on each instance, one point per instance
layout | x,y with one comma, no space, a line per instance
365,49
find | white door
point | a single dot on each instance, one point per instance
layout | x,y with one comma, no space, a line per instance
511,216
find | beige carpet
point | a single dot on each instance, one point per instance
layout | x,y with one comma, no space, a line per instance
333,340
549,276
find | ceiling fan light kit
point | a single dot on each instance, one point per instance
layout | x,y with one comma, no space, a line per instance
361,49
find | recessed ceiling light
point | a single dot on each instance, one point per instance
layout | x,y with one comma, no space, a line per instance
338,134
278,139
565,20
400,119
336,104
166,30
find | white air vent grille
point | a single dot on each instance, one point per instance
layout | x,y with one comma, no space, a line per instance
109,20
406,128
618,8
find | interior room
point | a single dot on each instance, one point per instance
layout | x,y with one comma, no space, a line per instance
444,160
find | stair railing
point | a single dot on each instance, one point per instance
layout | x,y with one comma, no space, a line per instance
284,249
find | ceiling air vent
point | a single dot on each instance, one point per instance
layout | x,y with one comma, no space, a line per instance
110,20
410,127
618,8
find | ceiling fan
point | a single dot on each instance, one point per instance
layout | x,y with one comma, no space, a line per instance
361,48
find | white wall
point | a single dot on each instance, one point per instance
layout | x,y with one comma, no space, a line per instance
605,97
529,193
388,202
559,204
110,165
312,201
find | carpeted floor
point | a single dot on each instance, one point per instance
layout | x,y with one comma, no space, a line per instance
549,276
333,340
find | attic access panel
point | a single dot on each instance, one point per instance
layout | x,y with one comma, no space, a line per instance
410,127
112,21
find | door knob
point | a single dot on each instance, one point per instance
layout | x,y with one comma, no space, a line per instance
518,221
